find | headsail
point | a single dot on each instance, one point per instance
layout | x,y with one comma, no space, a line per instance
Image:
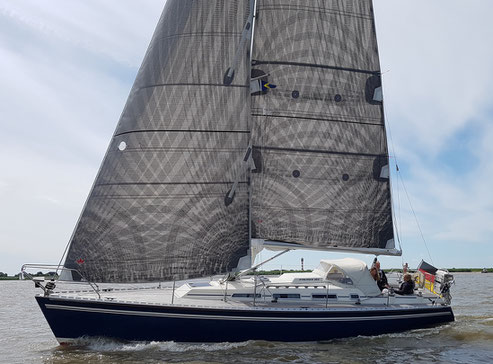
157,209
320,149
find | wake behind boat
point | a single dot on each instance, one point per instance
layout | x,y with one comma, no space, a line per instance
251,125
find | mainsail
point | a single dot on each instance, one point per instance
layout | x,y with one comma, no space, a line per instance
216,146
157,210
322,177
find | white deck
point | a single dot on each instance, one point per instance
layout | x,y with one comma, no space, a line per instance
156,294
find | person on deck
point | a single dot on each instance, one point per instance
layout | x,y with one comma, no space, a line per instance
407,287
374,273
382,281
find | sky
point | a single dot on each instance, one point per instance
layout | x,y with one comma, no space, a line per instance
67,66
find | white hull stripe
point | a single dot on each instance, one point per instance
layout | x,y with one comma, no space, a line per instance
241,318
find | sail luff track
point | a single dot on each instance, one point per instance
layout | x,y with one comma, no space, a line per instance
251,255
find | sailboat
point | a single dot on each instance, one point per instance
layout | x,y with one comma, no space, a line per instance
252,124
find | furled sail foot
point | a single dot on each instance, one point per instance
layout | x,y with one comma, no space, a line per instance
389,249
246,262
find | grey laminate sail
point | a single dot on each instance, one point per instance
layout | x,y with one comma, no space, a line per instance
172,200
157,209
319,137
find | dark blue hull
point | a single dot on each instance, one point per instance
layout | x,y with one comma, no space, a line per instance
70,319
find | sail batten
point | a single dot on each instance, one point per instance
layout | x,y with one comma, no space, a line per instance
281,245
314,65
319,151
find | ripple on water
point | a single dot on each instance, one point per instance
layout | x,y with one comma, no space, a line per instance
466,340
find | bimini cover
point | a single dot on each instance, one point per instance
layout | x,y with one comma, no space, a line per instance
354,269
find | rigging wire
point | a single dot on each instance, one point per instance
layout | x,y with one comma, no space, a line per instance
399,204
387,123
416,218
397,218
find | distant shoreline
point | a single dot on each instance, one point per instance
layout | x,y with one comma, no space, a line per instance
277,272
469,270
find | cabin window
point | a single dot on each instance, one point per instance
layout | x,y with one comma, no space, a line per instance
339,277
285,295
324,296
245,295
354,296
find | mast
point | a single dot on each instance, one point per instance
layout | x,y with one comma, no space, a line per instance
253,9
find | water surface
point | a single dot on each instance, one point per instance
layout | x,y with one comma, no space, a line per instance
26,338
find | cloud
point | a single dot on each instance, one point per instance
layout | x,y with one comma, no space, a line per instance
439,71
67,68
438,108
118,29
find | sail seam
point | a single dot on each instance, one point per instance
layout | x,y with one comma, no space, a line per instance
183,131
192,84
317,119
166,183
313,9
324,66
320,151
199,34
356,211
